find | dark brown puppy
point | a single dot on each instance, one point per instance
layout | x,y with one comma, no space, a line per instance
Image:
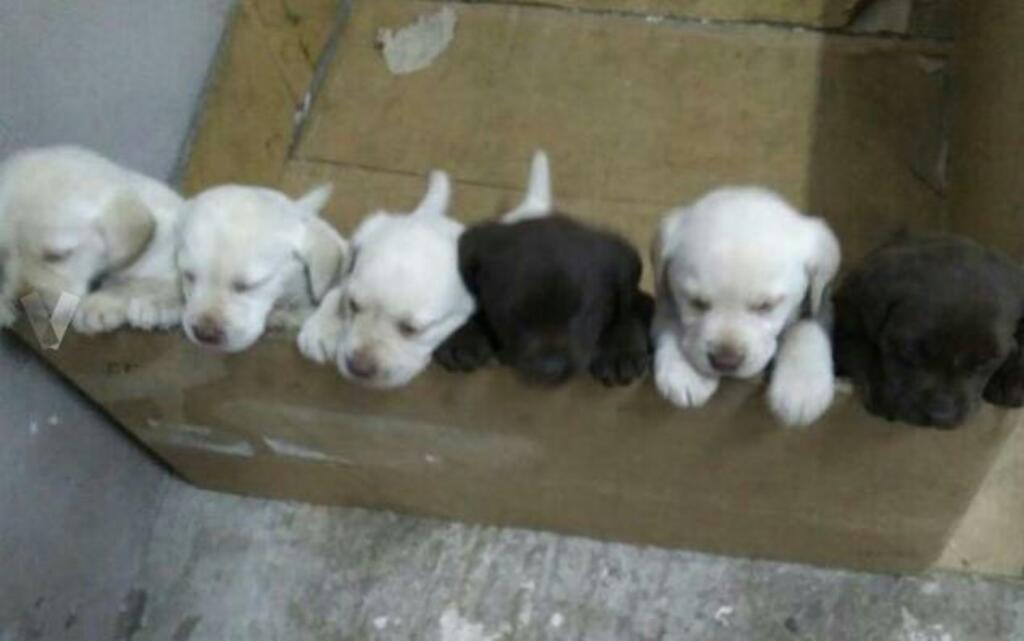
554,297
928,325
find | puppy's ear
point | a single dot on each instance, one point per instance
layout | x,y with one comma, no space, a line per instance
537,202
438,197
822,262
127,226
325,254
314,201
475,244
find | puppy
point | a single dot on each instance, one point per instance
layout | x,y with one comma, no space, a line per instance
252,258
72,222
734,271
928,325
554,296
401,298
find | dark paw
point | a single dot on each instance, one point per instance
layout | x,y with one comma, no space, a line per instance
464,352
1005,391
621,368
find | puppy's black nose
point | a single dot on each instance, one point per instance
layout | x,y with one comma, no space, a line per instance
208,331
361,365
942,412
550,369
726,358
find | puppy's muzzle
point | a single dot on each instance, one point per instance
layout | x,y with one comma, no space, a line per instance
208,331
726,358
362,365
550,369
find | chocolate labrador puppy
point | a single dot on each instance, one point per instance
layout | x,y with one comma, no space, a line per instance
930,324
554,297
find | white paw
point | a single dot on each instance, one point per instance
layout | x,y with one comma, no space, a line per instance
318,341
679,382
100,313
799,400
803,384
154,313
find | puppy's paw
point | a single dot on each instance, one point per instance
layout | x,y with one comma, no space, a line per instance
613,367
154,313
679,382
319,338
799,399
803,383
1006,387
466,350
100,312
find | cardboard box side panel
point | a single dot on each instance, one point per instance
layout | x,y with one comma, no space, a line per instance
853,492
987,158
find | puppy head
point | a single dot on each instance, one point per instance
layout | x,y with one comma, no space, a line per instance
70,219
403,295
549,289
244,251
923,327
936,368
738,266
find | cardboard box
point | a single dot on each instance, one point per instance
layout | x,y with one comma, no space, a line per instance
638,115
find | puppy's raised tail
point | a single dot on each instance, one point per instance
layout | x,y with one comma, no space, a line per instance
315,200
537,202
439,193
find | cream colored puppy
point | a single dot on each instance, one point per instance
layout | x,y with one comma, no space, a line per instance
251,259
735,272
401,299
72,222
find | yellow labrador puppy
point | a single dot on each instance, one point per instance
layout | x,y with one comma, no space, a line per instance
252,258
74,223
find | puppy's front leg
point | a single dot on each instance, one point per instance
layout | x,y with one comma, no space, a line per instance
468,349
676,379
101,311
321,333
155,305
803,381
624,353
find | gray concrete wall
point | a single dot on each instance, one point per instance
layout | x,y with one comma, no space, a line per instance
77,498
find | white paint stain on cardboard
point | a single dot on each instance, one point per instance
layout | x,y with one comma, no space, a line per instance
415,47
282,447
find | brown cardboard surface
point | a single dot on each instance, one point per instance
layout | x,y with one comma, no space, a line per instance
987,160
638,116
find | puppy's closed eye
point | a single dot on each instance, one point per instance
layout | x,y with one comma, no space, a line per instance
699,303
57,255
243,286
765,307
354,307
408,329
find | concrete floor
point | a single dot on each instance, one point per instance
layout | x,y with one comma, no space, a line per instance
98,542
224,568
